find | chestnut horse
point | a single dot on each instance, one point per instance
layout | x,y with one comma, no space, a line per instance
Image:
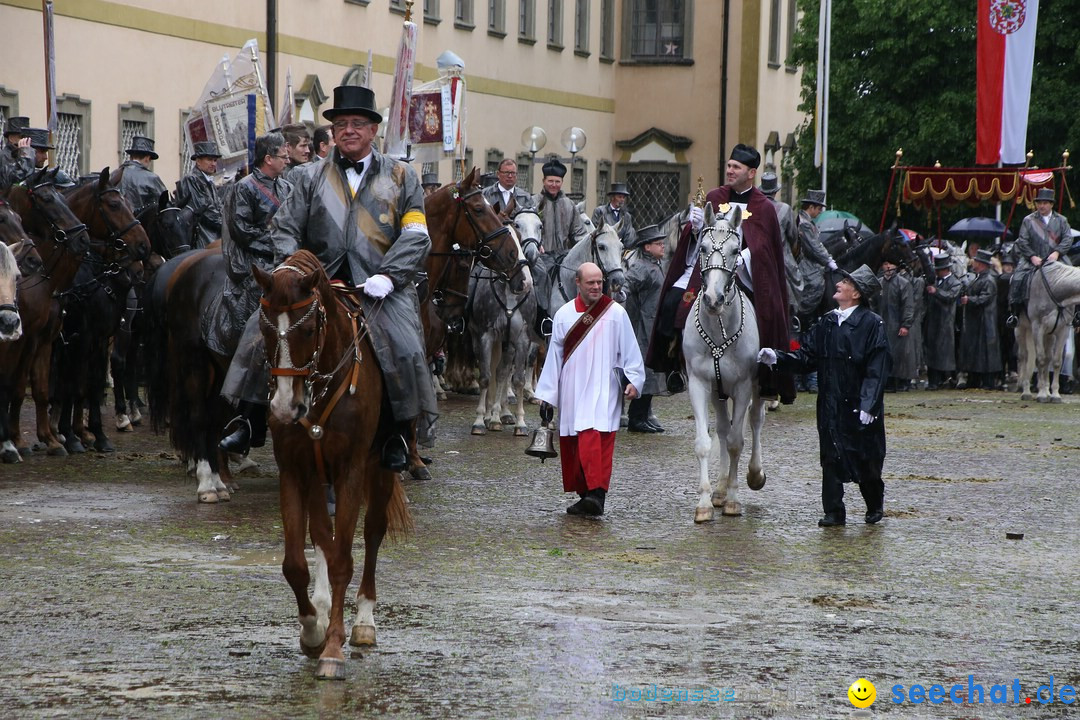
325,400
18,257
62,242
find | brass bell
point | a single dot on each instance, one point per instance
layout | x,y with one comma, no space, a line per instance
543,444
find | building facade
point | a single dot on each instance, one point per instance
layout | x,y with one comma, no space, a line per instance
647,80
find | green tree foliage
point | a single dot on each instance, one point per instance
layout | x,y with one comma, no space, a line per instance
903,76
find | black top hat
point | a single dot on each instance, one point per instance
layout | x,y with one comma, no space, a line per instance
141,145
1046,194
865,281
619,188
746,155
430,179
649,234
1008,254
487,180
942,261
984,255
205,149
353,100
39,138
814,197
555,168
16,125
770,184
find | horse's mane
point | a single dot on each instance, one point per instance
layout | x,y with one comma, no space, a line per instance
856,254
306,262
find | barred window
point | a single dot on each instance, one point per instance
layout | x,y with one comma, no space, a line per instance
579,167
774,34
524,170
135,119
72,138
603,180
555,18
492,158
9,104
607,29
467,163
430,167
431,12
581,26
655,195
527,20
463,14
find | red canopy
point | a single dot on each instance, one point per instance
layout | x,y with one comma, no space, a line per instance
925,187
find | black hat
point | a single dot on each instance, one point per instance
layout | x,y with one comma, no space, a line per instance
746,155
1008,254
814,197
618,189
865,281
646,235
16,125
430,179
942,261
353,100
554,168
1046,194
770,184
205,149
141,145
984,255
487,180
39,138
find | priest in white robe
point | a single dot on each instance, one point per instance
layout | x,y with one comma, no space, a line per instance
592,352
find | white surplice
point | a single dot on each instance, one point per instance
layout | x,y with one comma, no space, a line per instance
587,390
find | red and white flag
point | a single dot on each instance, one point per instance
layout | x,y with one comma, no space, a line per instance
1005,58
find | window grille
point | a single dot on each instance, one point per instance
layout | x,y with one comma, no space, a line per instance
69,143
654,196
128,130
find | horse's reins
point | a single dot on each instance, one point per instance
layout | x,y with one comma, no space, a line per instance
594,251
60,235
718,350
359,330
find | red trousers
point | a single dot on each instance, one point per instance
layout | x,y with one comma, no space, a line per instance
586,460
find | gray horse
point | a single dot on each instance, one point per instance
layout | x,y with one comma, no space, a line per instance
1042,331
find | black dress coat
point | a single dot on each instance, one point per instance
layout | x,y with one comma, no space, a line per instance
852,362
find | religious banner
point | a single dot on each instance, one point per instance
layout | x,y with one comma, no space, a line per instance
233,108
396,143
435,119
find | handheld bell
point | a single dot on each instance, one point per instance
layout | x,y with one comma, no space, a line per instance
543,444
543,439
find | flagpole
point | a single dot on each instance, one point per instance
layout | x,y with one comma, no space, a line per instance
271,52
50,69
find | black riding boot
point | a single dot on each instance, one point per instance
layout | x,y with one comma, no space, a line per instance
250,429
395,449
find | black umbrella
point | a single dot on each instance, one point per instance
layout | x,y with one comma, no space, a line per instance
980,229
836,224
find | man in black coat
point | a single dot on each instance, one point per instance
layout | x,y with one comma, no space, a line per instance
850,351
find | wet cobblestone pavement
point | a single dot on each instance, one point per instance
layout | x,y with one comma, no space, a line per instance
124,598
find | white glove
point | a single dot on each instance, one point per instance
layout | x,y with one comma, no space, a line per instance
767,356
865,418
832,265
697,218
378,286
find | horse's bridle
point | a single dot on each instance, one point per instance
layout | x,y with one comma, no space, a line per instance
116,236
483,250
705,263
594,252
60,235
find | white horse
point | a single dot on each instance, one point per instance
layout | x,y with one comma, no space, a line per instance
720,343
502,311
10,322
602,247
1042,331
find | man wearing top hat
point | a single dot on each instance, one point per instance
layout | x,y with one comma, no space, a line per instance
16,155
763,260
644,280
614,212
197,191
140,185
941,297
362,214
430,183
39,142
979,354
850,352
505,189
1044,237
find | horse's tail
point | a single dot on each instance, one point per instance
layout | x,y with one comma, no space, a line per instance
399,522
156,357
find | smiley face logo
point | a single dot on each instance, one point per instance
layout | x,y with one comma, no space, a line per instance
862,693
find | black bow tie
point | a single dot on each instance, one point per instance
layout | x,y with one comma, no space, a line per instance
346,163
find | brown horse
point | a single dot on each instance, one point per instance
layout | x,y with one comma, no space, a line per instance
464,229
324,411
18,257
62,242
